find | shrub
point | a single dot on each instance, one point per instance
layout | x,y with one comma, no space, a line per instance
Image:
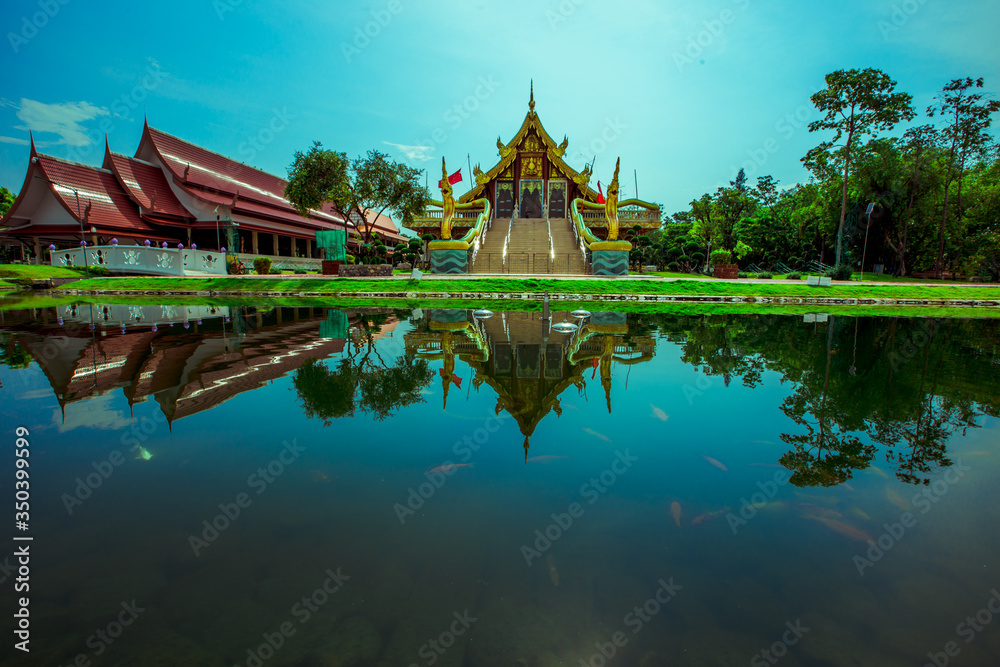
95,271
673,266
262,265
742,274
349,259
794,275
722,257
765,275
842,272
299,272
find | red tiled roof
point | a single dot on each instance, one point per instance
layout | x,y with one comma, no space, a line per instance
200,170
145,184
109,207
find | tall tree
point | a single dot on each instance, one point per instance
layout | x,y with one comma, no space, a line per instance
857,103
966,135
360,190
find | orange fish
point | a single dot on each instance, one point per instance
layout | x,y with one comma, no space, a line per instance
702,518
659,414
896,500
717,464
590,431
815,511
450,467
842,528
546,458
675,511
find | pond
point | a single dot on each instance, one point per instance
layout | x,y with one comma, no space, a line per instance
313,487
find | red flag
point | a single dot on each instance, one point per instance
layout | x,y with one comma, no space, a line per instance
600,194
454,178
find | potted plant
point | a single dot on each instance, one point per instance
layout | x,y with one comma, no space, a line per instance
723,266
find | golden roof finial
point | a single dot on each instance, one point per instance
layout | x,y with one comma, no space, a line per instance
531,102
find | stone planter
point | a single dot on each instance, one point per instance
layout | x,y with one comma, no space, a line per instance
727,271
332,267
366,271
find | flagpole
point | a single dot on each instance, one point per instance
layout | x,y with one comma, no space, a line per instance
471,180
635,174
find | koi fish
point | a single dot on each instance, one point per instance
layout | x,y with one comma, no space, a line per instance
817,499
553,572
702,518
590,431
675,511
319,476
450,467
842,528
860,514
762,442
896,500
875,470
659,414
142,453
767,465
816,512
979,453
847,486
546,458
717,464
570,406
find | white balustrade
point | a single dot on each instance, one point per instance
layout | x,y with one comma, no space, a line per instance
144,260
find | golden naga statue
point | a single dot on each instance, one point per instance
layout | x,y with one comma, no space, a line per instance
611,205
561,148
447,203
502,149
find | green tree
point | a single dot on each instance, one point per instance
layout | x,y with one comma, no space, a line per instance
966,135
360,190
857,103
7,199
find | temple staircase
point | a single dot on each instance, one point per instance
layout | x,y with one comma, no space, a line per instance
524,246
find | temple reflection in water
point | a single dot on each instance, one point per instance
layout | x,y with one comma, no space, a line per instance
186,358
527,362
191,358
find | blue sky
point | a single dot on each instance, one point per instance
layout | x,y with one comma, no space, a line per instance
683,92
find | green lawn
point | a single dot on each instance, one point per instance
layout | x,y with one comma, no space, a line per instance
347,286
33,271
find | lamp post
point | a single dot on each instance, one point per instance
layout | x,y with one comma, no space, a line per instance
864,252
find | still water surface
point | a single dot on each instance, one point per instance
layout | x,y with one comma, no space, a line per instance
313,487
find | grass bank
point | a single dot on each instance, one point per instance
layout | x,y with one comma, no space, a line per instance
28,300
693,288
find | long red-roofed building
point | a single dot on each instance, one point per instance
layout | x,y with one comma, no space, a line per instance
171,191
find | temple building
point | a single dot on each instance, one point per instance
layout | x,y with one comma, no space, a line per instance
170,191
529,200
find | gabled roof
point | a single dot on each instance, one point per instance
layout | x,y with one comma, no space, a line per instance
102,202
145,184
201,171
508,153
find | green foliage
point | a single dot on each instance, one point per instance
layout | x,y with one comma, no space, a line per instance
360,189
350,259
7,199
842,272
722,257
764,275
794,275
262,265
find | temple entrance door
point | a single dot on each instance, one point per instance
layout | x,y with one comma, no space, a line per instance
531,199
505,199
557,199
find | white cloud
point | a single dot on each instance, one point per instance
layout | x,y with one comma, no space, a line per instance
63,118
95,412
13,140
418,153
